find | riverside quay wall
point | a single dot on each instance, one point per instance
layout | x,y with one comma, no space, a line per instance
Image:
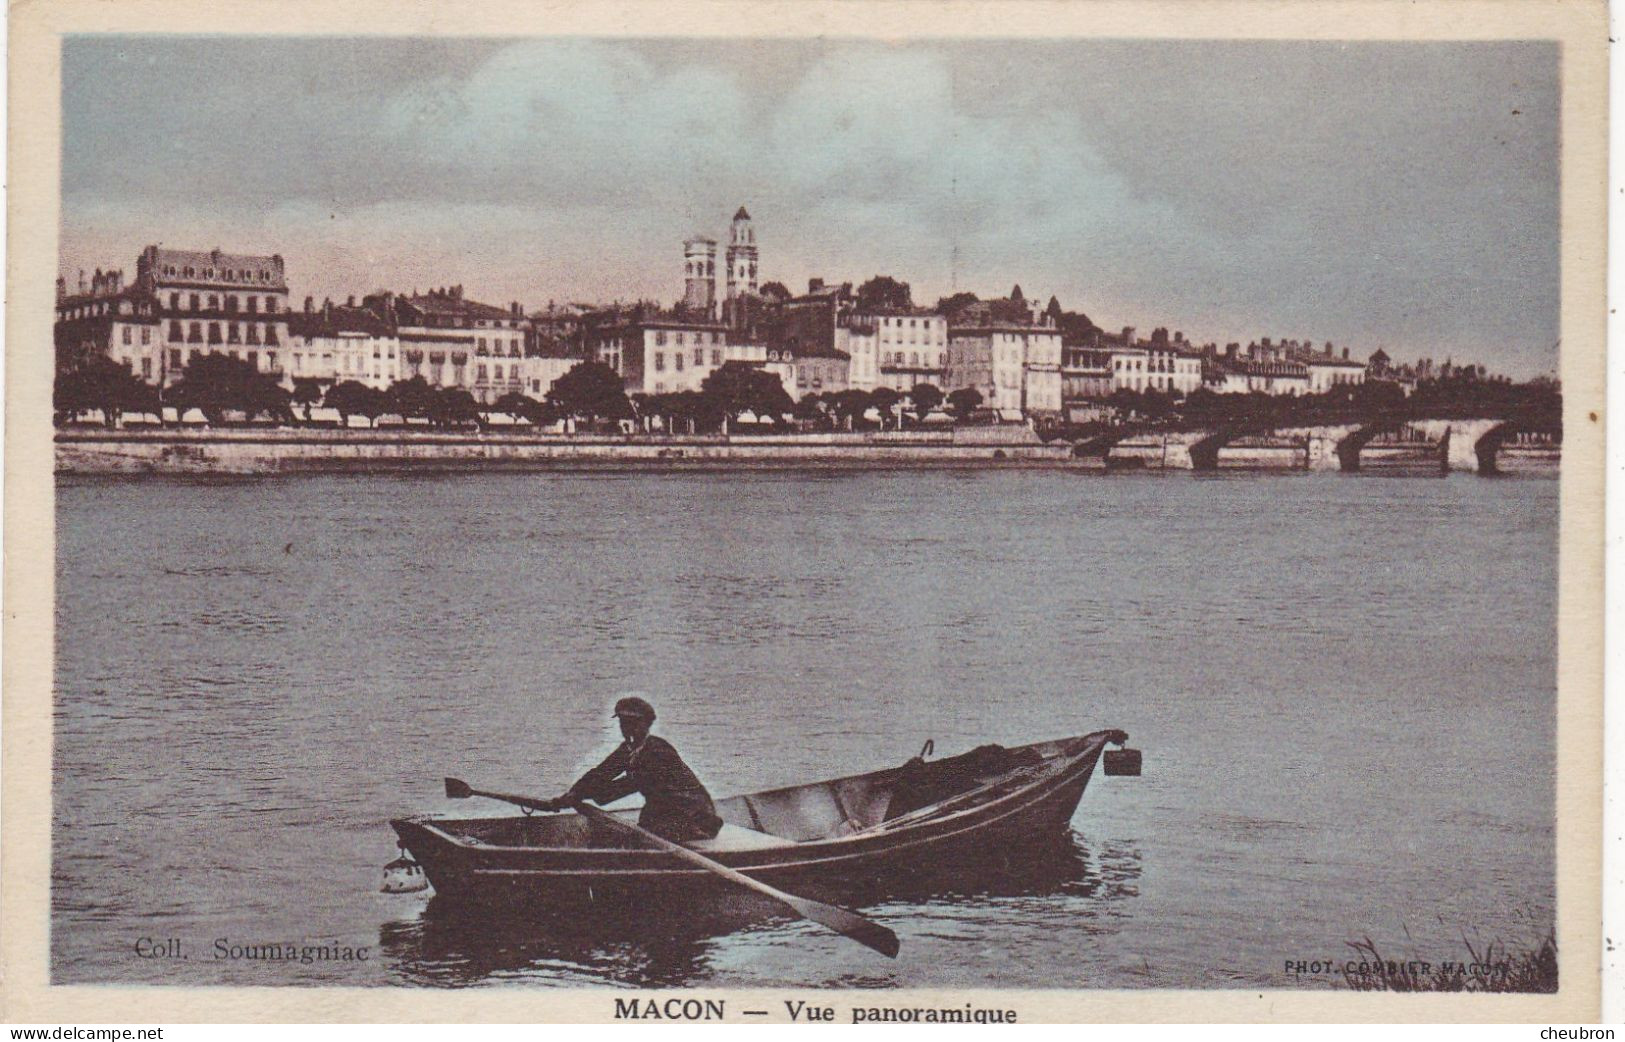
281,451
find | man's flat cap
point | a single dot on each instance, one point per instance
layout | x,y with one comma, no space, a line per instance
636,708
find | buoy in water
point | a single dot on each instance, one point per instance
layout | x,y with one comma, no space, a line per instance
404,876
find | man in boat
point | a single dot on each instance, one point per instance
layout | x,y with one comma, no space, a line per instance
675,804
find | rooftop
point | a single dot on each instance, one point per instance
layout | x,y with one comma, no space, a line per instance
247,269
337,319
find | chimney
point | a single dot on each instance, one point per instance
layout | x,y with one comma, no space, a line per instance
814,285
61,288
350,303
1345,354
310,305
81,280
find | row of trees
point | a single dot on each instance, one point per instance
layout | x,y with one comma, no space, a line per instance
213,384
590,392
217,384
848,408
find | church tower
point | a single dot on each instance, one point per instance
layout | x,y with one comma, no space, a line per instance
741,256
700,274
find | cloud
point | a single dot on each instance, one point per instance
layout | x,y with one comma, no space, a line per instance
1373,193
568,122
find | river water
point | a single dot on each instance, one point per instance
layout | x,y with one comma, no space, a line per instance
1343,686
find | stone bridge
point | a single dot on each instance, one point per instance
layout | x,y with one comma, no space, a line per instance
1470,445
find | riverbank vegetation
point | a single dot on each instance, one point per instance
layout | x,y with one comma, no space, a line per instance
591,396
1490,968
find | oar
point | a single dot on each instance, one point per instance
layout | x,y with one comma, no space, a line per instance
841,920
460,790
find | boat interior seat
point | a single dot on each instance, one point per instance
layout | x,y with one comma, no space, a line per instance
733,837
828,810
801,813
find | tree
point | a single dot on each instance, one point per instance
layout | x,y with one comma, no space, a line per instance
738,387
964,401
1205,406
883,291
70,395
850,405
590,390
458,407
811,407
415,399
1156,404
352,398
1374,397
949,305
776,291
307,391
214,383
884,400
525,407
700,412
103,384
924,398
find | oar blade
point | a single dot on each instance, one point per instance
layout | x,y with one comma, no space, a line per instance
848,924
458,789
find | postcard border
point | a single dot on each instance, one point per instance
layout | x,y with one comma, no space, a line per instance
34,152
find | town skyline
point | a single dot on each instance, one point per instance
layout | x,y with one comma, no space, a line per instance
846,183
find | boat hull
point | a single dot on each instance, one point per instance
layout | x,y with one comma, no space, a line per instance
540,879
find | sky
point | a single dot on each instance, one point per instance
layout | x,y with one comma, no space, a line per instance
1393,195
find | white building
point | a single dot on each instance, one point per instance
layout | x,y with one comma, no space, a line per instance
109,318
538,372
911,347
859,340
183,303
1247,375
1129,368
1328,371
334,344
1172,365
781,363
661,355
820,370
1017,368
452,341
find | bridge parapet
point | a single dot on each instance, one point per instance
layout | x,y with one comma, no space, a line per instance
1469,445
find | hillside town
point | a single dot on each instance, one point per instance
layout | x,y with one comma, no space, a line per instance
1011,358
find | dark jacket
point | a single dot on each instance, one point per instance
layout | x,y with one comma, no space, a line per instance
675,804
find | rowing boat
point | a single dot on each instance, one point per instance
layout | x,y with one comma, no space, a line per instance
863,828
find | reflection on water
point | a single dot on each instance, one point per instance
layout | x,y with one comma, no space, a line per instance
655,945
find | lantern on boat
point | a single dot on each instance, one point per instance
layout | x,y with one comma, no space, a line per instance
404,876
1124,763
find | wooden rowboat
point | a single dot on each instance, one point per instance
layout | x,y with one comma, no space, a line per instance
848,831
